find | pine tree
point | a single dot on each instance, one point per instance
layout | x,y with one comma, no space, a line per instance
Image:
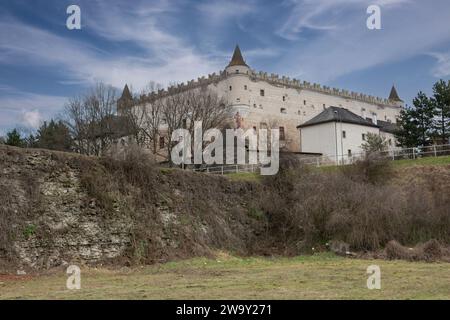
54,136
407,135
14,139
422,115
441,102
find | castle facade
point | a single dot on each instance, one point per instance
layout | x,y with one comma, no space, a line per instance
260,100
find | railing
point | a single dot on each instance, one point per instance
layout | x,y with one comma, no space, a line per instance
332,160
227,169
392,154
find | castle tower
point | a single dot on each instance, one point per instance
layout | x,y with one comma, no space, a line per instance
237,83
126,100
237,64
393,96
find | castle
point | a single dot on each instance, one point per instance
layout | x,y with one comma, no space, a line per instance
261,100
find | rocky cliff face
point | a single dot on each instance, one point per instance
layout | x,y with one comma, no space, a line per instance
59,208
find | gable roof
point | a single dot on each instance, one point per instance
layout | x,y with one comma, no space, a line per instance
237,59
335,114
387,126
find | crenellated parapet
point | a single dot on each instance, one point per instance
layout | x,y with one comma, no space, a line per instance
297,84
182,87
273,79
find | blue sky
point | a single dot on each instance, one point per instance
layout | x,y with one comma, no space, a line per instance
42,63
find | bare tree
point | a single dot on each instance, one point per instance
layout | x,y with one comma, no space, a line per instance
91,119
159,116
146,117
206,106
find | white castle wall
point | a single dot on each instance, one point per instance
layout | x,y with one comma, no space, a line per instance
241,87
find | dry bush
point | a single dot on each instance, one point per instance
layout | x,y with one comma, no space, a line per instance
307,208
373,168
429,251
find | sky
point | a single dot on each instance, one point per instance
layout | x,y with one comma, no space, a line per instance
43,63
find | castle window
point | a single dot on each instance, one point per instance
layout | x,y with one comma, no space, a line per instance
184,123
163,121
254,128
299,112
344,134
284,98
364,137
349,153
282,134
231,88
283,110
237,71
261,93
245,87
304,102
238,99
324,107
263,125
390,142
260,106
161,143
254,105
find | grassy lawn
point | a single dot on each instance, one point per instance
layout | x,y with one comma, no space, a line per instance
322,276
429,161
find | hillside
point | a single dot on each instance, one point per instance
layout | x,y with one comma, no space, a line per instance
60,208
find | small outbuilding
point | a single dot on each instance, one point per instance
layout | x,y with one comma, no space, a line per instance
336,133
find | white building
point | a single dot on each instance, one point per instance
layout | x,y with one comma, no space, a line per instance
338,134
268,101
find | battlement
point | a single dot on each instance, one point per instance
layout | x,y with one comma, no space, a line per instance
295,83
273,79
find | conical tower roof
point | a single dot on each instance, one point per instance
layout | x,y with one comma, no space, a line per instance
393,96
237,59
126,94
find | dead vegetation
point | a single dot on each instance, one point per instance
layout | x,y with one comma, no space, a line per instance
168,214
358,205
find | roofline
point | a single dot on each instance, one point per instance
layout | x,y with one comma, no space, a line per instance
338,121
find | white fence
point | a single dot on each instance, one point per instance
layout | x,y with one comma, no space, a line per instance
331,160
392,154
227,169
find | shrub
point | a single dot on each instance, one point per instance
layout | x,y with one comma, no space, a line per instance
307,208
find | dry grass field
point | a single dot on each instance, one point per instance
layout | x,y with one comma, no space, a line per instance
322,276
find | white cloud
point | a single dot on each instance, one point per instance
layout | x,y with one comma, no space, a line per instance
27,110
167,59
409,28
442,68
218,11
32,119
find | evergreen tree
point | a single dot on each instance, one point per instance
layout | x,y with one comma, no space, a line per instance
422,116
416,122
14,139
441,102
407,135
54,136
31,141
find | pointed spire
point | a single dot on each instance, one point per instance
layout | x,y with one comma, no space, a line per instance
237,59
126,94
393,96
